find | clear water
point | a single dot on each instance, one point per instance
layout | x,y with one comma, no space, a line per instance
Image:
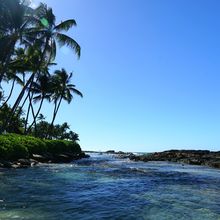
103,187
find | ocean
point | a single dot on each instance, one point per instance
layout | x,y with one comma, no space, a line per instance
105,187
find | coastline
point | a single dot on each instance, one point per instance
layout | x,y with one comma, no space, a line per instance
192,157
42,158
60,153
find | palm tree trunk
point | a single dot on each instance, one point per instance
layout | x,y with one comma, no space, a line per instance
32,110
30,107
23,102
49,131
28,112
56,108
9,96
34,122
17,102
20,96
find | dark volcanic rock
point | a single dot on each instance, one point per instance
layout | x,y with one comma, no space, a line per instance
215,164
21,163
6,164
110,152
45,158
59,158
83,155
194,157
121,152
62,158
25,162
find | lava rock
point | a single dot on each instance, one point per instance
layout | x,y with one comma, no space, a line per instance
193,157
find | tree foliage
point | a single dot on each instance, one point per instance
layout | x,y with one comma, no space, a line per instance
14,146
28,48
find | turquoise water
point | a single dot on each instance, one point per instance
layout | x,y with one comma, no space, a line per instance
102,187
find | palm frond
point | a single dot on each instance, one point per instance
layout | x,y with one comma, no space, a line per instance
37,98
68,96
68,41
65,25
18,80
77,92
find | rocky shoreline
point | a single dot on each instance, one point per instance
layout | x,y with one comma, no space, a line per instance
44,158
192,157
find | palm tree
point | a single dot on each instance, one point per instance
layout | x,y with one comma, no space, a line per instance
62,90
14,26
63,131
42,91
37,33
46,33
14,78
41,117
73,136
52,33
12,75
29,62
17,124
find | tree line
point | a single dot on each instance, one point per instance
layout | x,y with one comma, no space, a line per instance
28,46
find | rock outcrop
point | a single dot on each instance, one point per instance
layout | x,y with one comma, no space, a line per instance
45,158
193,157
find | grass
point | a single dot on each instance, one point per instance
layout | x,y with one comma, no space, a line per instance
14,146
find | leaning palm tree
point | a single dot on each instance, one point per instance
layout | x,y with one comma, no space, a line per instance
28,62
47,34
62,90
13,78
42,91
14,26
12,75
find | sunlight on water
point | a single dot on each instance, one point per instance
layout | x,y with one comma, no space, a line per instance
103,187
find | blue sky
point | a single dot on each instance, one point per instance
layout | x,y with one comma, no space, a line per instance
149,72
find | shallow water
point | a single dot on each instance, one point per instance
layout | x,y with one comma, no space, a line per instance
102,187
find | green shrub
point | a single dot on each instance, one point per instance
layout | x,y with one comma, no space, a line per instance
11,148
14,146
34,145
61,146
55,146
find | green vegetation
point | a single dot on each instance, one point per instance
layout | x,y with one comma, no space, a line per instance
14,146
28,42
28,47
40,130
